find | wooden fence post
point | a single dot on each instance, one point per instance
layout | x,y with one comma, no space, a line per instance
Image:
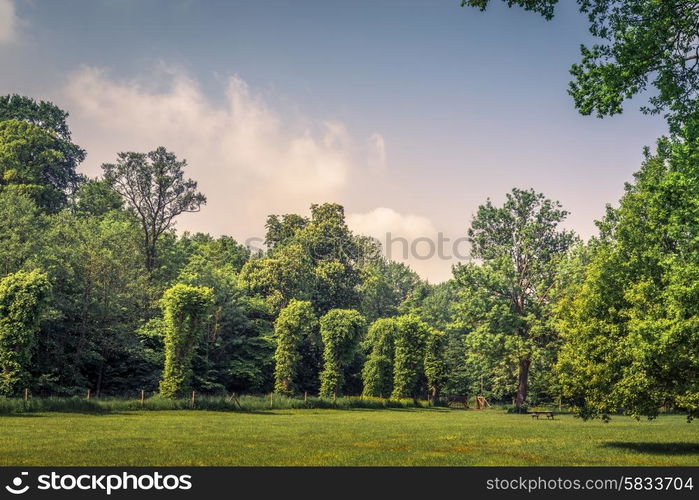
194,394
143,396
305,397
88,394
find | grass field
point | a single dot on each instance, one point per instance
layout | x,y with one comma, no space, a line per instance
341,437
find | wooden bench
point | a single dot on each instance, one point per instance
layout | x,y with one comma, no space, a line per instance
537,414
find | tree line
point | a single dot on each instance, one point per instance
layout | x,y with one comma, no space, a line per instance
98,291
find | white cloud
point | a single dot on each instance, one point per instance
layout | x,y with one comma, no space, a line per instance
249,159
408,238
8,21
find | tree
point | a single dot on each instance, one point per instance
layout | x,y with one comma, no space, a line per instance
284,275
377,374
384,286
32,161
341,331
408,367
435,365
22,298
295,322
519,246
283,228
22,231
237,349
316,259
43,114
154,188
96,197
99,286
53,120
647,43
185,310
629,320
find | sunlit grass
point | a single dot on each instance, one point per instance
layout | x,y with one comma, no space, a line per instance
341,437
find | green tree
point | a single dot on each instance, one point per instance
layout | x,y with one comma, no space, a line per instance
99,287
519,246
23,296
377,374
32,161
645,43
341,331
22,231
96,197
284,275
63,174
630,318
185,310
283,228
236,352
296,322
385,285
154,188
316,259
435,363
408,367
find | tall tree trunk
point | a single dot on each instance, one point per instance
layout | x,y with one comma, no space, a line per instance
523,382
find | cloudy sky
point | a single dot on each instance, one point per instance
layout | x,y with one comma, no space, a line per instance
409,113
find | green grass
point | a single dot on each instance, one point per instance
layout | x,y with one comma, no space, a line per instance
340,437
77,404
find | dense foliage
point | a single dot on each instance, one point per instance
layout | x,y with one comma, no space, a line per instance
296,325
341,330
22,298
99,292
184,312
644,43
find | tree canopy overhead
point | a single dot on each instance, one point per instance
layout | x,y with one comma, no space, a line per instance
645,45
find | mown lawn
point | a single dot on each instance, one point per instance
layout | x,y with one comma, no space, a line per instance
341,437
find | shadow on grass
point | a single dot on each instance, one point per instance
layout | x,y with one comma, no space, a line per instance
672,448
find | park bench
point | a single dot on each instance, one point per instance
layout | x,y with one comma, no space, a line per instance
537,414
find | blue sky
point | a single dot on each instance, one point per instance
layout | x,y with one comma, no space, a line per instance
410,113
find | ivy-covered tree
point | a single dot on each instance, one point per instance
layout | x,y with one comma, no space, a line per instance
377,374
22,298
435,363
341,331
185,311
408,367
296,322
236,352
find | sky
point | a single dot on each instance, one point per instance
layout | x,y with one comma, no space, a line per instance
410,113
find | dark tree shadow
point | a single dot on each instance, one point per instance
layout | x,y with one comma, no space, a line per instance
672,448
